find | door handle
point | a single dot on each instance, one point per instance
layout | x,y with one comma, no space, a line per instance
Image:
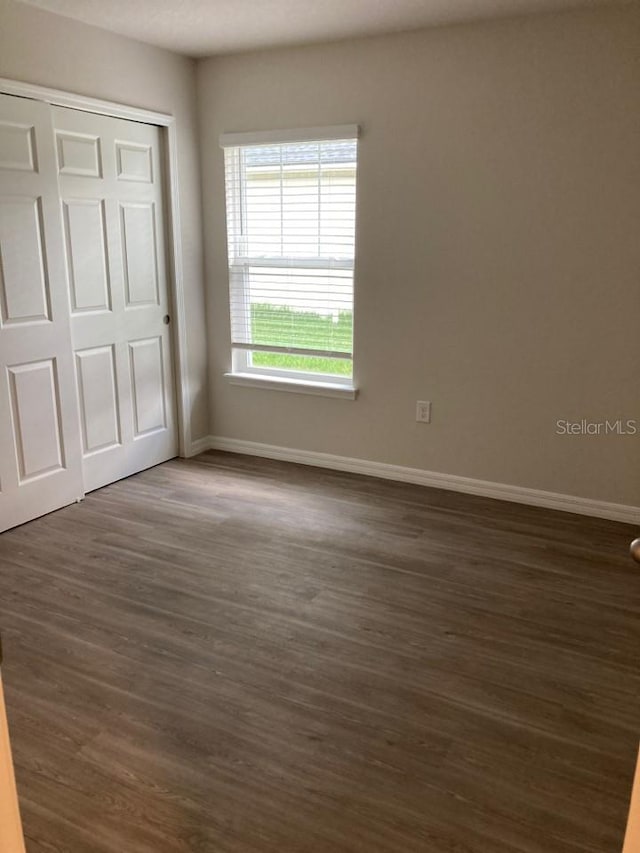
166,319
634,548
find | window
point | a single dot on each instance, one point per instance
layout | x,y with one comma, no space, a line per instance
291,202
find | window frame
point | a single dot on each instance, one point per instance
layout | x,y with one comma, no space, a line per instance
242,370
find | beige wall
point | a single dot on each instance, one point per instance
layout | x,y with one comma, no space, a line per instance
498,251
38,47
498,245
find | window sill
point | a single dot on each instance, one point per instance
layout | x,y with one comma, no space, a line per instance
297,386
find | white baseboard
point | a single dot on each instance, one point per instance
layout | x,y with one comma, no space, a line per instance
451,482
199,446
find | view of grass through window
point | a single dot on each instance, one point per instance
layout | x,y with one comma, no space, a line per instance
302,329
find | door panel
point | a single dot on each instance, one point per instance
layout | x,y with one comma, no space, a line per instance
88,268
35,412
111,188
147,383
134,162
140,253
24,285
79,154
40,457
99,411
17,146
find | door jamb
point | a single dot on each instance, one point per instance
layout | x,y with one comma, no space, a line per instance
167,125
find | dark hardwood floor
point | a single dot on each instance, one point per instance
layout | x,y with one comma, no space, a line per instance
231,655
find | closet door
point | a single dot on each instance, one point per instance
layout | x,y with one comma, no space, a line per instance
40,456
110,179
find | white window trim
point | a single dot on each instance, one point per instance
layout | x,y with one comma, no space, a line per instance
296,385
300,134
242,372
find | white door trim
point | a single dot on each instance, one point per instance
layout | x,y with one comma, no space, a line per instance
10,824
167,123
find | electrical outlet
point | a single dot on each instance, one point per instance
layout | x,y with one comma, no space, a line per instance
423,411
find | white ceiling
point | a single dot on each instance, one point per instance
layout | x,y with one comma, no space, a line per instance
206,27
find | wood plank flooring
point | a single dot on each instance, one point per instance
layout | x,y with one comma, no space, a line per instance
236,655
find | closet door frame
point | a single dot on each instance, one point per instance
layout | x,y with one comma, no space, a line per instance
167,125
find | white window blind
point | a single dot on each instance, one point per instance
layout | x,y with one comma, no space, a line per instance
291,234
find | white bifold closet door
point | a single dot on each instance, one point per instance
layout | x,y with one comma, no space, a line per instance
110,178
40,450
86,370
